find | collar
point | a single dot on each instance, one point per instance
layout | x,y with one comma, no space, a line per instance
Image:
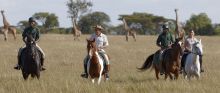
99,35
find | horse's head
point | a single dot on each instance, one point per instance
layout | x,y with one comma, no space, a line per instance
178,45
197,47
91,47
30,43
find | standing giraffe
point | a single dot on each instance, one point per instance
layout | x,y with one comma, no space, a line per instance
128,30
179,31
7,28
76,32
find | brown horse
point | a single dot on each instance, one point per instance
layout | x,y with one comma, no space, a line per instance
95,65
170,61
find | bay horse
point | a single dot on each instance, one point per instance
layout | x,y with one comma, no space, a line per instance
95,65
171,59
192,64
171,55
30,59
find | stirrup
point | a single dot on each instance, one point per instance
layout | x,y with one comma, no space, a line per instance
84,75
17,67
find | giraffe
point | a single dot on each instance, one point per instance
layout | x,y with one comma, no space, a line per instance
179,31
7,28
76,32
128,30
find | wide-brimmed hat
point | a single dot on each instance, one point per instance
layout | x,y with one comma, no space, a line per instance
31,19
165,27
98,27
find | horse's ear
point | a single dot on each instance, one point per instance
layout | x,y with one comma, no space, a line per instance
93,40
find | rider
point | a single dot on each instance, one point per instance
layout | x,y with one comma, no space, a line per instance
34,31
101,43
164,41
190,40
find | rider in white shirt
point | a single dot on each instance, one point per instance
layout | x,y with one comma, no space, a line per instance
101,43
189,41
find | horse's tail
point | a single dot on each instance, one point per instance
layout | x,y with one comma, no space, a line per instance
147,64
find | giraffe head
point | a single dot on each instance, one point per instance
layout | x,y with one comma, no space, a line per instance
2,11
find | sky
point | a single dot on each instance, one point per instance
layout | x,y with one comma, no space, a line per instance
16,10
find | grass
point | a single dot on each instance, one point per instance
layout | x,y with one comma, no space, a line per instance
64,59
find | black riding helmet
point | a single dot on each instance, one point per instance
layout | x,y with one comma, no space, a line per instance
31,19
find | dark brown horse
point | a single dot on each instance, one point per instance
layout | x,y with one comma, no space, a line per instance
170,61
95,65
30,59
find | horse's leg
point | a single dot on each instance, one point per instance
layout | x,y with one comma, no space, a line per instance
156,72
93,80
25,75
100,77
176,74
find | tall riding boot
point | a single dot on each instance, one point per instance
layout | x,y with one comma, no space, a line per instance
107,68
200,60
85,74
42,64
18,66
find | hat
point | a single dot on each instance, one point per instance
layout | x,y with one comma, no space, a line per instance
165,27
31,19
98,27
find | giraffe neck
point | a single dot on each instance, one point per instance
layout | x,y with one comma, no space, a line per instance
125,24
177,25
5,22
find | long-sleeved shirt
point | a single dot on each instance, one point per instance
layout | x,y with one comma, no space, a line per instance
189,43
34,32
101,41
164,40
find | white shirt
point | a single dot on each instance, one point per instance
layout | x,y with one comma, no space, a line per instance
189,43
101,41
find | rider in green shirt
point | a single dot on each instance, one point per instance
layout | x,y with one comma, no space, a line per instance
35,33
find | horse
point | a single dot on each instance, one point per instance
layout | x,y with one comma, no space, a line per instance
192,64
158,66
171,59
95,65
30,59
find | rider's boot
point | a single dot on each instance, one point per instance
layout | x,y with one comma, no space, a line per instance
200,60
42,65
107,68
85,74
18,67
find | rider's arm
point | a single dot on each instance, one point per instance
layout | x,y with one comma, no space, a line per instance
158,41
24,34
37,35
105,43
186,45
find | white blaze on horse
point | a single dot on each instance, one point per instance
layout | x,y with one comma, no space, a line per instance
95,64
192,64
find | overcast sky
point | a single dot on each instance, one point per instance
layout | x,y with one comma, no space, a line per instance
17,10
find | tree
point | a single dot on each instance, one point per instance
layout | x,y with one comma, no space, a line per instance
77,8
41,17
96,18
217,29
47,20
150,23
22,24
51,21
201,24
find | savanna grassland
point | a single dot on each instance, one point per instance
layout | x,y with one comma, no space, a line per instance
64,65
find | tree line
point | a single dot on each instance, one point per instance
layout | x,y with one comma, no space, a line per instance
79,11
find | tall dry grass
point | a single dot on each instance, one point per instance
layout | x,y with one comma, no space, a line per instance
64,65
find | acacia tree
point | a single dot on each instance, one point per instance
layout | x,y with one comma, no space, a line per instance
77,8
201,23
87,21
